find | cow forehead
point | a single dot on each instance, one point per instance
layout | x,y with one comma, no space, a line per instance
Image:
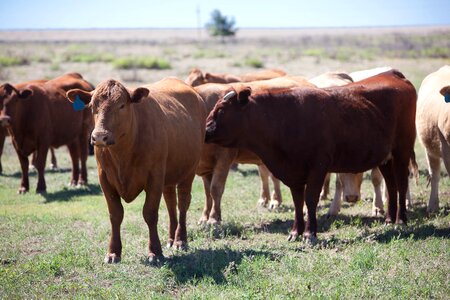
110,92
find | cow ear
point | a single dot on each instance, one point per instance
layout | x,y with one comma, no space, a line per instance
138,94
85,96
207,76
243,95
25,93
8,88
445,90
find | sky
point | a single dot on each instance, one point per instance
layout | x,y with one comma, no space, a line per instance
48,14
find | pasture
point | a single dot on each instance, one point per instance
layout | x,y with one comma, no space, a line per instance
53,245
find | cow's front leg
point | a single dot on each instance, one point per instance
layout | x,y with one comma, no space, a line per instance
150,213
312,194
298,196
115,209
25,183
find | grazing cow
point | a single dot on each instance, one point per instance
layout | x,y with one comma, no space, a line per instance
147,139
216,160
433,127
302,133
197,77
38,117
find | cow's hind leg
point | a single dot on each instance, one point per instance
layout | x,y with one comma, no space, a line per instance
326,187
387,170
74,150
402,177
335,205
170,197
313,187
298,196
434,168
276,199
265,191
218,181
25,183
377,180
54,163
208,199
184,201
150,213
2,143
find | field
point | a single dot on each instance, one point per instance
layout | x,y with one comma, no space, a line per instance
53,245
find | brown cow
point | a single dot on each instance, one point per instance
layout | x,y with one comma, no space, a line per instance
37,116
148,139
197,77
216,160
324,130
433,127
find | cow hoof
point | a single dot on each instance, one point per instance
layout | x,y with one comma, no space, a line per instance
262,202
111,258
388,221
169,243
41,191
22,191
81,183
377,212
180,245
310,238
213,221
72,183
293,236
274,204
53,167
432,209
400,223
202,221
155,260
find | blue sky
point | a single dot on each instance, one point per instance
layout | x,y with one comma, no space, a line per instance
41,14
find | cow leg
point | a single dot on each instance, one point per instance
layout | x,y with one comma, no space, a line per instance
74,151
434,168
184,200
326,187
265,191
389,177
115,209
84,152
218,181
335,206
298,196
25,183
312,194
402,177
41,159
33,161
208,199
54,163
377,180
2,143
170,197
150,213
276,196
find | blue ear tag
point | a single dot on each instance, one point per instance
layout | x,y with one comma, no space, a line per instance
78,105
447,98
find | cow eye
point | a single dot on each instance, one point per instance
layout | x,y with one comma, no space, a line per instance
220,111
122,106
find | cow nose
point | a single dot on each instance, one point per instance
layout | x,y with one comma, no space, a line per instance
102,138
5,120
352,198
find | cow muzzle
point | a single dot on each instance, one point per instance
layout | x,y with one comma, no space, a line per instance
5,120
102,138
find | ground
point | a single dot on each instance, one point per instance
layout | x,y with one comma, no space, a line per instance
52,246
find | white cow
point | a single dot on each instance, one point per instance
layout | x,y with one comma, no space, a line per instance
433,127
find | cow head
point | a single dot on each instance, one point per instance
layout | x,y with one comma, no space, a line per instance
195,78
111,104
9,98
225,121
351,184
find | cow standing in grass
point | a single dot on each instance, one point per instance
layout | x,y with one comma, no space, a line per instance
148,139
433,127
303,133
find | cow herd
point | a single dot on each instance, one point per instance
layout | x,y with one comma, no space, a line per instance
157,137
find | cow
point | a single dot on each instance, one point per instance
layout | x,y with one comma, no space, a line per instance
216,160
302,133
147,139
38,117
197,77
433,127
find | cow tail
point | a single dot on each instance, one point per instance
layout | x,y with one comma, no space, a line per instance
414,168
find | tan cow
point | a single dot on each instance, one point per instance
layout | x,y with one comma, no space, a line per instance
216,160
433,127
197,77
148,139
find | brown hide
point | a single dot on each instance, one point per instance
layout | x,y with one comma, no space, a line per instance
215,161
148,140
303,133
38,116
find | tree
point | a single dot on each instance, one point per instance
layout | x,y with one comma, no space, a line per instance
221,25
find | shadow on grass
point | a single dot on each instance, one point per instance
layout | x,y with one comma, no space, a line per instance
66,194
33,172
213,263
250,172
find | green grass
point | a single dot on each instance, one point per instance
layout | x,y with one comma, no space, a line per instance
141,63
9,61
90,57
53,246
254,63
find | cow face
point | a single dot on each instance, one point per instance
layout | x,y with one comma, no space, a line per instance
111,104
224,122
195,78
351,186
9,98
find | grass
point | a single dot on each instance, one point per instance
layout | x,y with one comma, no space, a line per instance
141,63
9,61
52,246
254,63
